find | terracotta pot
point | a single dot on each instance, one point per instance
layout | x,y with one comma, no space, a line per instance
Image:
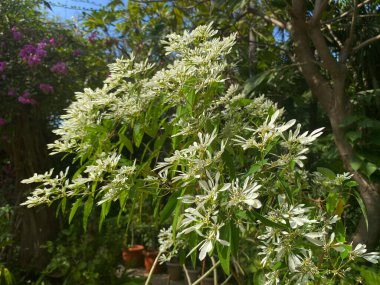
174,271
149,257
133,256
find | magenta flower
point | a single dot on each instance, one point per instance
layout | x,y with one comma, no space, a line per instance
3,65
41,46
2,121
16,34
11,93
26,98
33,55
92,37
52,42
46,88
77,52
59,68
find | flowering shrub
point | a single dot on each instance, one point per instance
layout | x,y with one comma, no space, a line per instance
229,167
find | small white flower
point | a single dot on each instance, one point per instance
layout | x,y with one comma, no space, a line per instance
361,251
244,194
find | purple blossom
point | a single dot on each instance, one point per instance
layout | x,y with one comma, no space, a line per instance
52,42
33,55
3,65
16,34
26,98
59,68
2,121
77,52
41,46
46,88
92,37
11,93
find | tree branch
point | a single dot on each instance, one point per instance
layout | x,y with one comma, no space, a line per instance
272,20
320,6
319,85
347,47
366,43
347,13
328,61
337,41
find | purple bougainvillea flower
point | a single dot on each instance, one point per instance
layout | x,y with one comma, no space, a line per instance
16,34
26,51
26,98
46,88
3,65
77,52
52,42
59,68
2,121
92,37
41,45
33,55
11,93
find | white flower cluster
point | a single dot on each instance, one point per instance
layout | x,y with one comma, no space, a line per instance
195,159
209,209
242,181
105,170
50,189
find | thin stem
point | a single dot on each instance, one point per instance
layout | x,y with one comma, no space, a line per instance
215,272
186,274
225,281
206,274
152,269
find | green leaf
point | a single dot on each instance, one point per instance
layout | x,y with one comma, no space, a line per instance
159,142
288,192
235,238
7,276
169,207
177,213
351,183
362,207
74,209
229,163
331,201
326,172
255,167
138,134
353,136
127,142
267,222
356,163
87,211
105,208
340,231
346,251
259,278
224,252
369,168
63,205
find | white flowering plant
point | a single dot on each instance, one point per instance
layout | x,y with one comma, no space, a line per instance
224,169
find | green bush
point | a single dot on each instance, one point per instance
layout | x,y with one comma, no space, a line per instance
188,145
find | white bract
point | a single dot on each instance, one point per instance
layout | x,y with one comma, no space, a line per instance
225,168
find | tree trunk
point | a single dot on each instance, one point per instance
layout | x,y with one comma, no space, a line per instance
331,95
26,148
